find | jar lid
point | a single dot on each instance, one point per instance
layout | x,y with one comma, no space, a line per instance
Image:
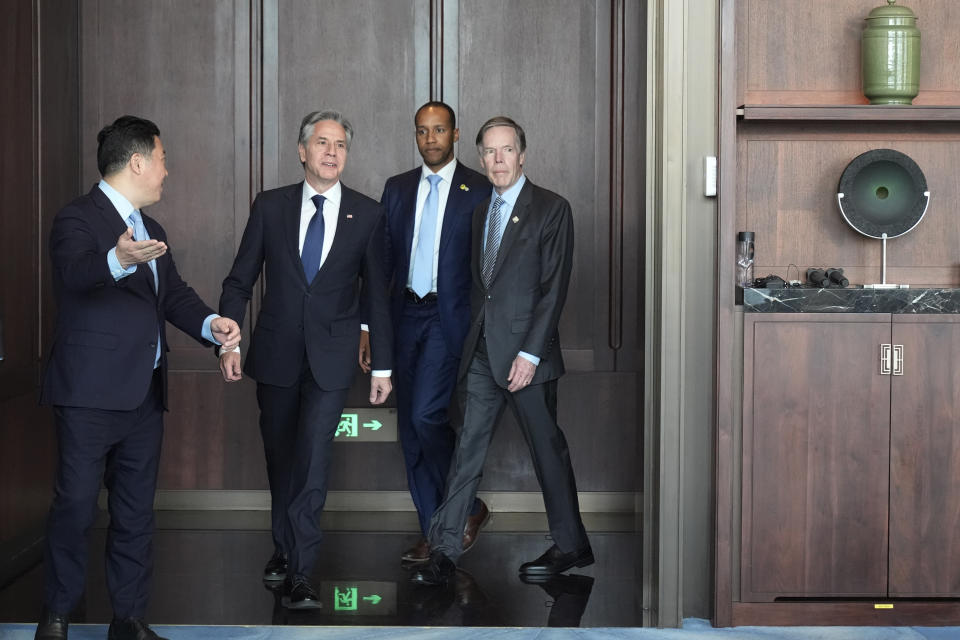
745,236
891,11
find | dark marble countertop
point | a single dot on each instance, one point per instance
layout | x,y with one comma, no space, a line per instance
804,300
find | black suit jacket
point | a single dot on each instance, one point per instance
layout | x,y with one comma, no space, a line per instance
321,320
521,309
105,343
468,189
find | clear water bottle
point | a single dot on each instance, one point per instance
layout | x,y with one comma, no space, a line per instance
745,258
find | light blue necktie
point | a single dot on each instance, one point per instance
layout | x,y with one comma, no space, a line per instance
140,234
313,242
422,279
492,245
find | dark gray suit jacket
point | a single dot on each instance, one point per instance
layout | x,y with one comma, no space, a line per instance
521,309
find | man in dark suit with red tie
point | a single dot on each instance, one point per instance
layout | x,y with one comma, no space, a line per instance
521,261
116,287
320,246
428,263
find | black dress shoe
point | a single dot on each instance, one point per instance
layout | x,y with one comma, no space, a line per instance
301,594
556,561
276,569
52,626
438,572
131,629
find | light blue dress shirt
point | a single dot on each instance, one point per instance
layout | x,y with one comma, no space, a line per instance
124,208
506,209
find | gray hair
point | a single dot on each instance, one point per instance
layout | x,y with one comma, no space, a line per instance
502,121
312,118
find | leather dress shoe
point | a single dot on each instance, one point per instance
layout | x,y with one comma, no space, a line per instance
473,526
276,569
131,629
301,594
52,626
555,561
419,552
438,572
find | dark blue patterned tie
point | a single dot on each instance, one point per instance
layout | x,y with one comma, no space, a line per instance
313,242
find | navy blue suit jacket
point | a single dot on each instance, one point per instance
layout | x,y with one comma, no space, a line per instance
105,344
322,319
467,190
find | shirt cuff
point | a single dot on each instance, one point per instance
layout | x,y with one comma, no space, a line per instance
205,329
532,358
381,373
116,270
364,327
220,351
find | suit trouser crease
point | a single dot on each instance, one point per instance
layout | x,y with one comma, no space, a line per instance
484,405
121,448
306,450
425,376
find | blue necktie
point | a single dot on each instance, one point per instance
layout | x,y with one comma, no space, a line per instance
313,242
489,257
422,279
140,234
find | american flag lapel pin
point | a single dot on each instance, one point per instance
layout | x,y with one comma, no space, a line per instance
516,219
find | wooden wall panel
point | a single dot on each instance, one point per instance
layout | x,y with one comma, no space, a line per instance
189,72
787,195
796,52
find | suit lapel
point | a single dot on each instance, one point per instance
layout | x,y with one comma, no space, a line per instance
451,212
480,215
408,200
341,236
291,224
518,217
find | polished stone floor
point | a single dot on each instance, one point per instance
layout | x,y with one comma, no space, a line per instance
208,566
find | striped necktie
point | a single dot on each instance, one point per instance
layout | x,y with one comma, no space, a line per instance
493,243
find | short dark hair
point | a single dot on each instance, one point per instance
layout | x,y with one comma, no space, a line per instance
439,105
502,121
118,141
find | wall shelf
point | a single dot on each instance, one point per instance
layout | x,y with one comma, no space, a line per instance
859,112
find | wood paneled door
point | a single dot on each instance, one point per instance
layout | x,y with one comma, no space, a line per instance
228,82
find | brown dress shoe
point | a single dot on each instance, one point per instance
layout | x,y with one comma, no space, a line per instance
419,552
473,526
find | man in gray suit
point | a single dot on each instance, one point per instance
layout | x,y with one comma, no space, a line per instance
521,259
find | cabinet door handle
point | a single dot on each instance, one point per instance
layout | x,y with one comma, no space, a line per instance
898,359
886,367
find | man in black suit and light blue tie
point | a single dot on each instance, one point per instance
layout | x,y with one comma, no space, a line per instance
320,247
116,287
521,261
429,210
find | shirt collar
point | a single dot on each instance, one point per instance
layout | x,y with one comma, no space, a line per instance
331,195
120,203
510,195
445,173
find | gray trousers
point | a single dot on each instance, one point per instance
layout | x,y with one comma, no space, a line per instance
535,408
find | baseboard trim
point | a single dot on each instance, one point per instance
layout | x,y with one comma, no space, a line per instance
501,501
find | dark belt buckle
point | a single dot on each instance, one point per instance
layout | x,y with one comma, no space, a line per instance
412,296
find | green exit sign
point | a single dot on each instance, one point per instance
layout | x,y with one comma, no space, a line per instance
367,425
364,598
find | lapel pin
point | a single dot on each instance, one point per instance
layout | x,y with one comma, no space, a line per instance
349,215
516,219
464,187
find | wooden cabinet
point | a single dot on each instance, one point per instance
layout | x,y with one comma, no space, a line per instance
851,474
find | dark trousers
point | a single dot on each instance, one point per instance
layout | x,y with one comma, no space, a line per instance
535,409
298,424
121,448
425,375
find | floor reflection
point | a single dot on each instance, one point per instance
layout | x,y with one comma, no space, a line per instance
211,575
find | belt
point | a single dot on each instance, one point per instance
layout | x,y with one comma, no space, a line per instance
411,297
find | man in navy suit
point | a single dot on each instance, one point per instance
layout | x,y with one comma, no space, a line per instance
320,246
116,287
428,258
521,261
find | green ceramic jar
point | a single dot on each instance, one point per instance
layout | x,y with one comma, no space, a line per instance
890,50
